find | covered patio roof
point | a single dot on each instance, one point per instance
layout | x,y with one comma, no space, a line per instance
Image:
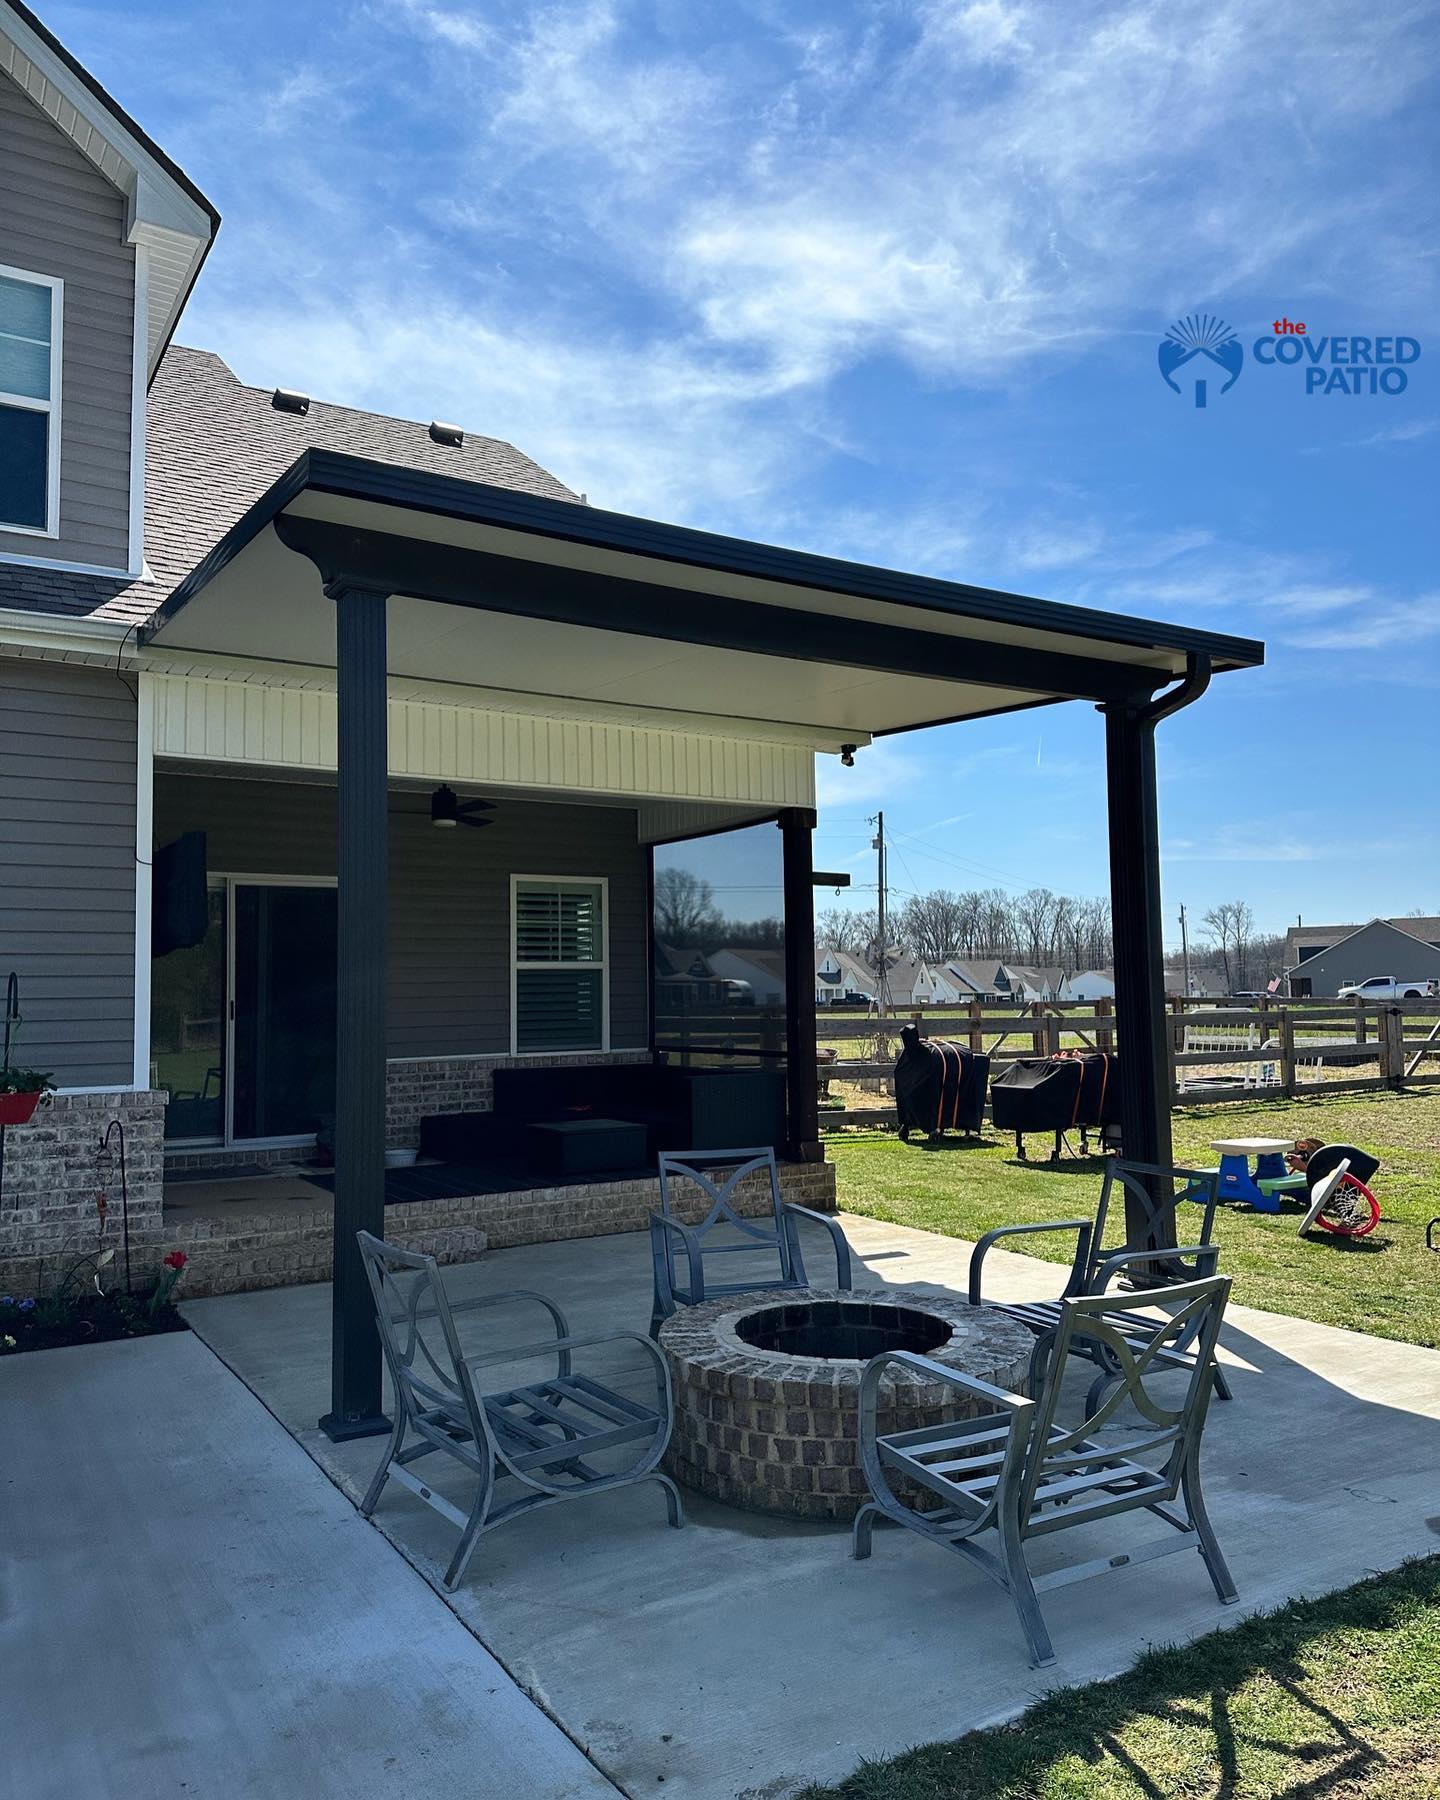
598,606
386,572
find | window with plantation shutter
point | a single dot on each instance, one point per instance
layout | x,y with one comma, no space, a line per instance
560,1000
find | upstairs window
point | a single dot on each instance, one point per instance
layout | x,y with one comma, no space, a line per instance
559,967
29,402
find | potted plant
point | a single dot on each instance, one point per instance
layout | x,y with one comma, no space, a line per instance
20,1092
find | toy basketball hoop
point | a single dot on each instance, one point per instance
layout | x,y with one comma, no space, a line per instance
1342,1204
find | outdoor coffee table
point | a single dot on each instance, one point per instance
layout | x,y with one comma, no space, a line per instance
1236,1181
586,1146
767,1387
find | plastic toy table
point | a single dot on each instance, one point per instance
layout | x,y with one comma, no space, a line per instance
1236,1181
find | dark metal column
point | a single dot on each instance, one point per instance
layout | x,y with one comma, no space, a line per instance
1138,932
802,1130
362,781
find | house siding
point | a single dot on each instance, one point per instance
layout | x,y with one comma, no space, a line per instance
449,956
1376,949
59,216
67,868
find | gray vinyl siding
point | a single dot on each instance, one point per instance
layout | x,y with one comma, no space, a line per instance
67,868
1376,949
449,967
59,216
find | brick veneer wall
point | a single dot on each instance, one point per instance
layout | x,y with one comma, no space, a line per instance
293,1245
53,1173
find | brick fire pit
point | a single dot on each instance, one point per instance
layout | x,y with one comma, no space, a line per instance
766,1387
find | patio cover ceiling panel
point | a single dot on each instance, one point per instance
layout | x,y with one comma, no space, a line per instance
503,590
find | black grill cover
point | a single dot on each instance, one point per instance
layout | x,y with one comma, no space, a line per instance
939,1086
1054,1093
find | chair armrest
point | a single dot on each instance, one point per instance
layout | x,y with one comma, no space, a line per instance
1083,1228
1001,1398
661,1246
545,1346
479,1300
1207,1260
793,1210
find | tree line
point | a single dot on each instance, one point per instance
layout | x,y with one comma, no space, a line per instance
1038,928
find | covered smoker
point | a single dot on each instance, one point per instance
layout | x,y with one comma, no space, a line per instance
939,1086
1075,1089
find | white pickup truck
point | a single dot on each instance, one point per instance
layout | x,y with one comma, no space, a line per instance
1390,987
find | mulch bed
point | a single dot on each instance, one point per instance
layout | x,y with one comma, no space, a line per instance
87,1319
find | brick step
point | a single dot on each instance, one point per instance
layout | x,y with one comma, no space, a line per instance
242,1259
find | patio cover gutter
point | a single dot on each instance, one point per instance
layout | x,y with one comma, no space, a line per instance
362,567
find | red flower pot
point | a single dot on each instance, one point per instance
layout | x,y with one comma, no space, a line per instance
15,1109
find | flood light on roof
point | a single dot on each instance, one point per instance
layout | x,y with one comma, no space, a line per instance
287,400
446,434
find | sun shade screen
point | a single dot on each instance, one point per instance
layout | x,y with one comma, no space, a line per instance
559,965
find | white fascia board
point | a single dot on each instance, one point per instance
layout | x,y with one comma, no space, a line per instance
61,637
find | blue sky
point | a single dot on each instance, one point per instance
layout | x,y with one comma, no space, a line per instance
888,281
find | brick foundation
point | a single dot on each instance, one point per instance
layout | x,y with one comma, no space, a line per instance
293,1244
54,1169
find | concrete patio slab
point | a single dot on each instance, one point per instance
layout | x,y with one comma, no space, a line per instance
746,1655
190,1608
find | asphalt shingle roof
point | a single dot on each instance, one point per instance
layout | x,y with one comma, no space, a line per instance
213,447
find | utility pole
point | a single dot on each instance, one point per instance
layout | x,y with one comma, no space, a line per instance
1185,951
877,844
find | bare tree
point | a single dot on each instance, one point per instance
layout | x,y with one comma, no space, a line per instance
838,928
929,925
1231,926
685,911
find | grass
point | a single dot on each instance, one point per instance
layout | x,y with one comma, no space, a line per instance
1387,1284
1327,1699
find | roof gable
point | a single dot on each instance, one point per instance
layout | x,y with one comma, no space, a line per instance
165,212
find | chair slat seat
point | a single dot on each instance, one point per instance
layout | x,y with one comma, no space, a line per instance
537,1435
1017,1471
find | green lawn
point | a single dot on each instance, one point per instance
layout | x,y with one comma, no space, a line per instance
1388,1283
1335,1698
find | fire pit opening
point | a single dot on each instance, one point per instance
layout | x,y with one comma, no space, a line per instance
849,1330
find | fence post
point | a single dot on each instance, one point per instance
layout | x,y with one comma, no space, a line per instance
977,1039
1052,1035
1359,1020
1104,1035
1287,1052
1037,1035
1392,1042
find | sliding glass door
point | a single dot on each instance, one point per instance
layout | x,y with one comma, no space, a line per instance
282,1082
243,1023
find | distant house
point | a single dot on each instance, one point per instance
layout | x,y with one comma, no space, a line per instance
1321,959
842,979
1092,984
1175,981
1028,985
762,971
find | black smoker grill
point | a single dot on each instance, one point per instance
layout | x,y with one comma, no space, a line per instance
1077,1088
939,1086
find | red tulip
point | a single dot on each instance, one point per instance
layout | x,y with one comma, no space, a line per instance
177,1259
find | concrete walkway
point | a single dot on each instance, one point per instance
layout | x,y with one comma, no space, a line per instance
190,1608
744,1656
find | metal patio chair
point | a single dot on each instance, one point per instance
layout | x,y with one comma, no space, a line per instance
779,1232
1094,1268
1015,1471
543,1436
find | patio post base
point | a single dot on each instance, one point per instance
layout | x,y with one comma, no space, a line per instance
340,1431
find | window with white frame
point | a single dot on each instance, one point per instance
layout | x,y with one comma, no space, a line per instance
559,972
29,402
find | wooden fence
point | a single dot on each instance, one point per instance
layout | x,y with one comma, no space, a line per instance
1276,1047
